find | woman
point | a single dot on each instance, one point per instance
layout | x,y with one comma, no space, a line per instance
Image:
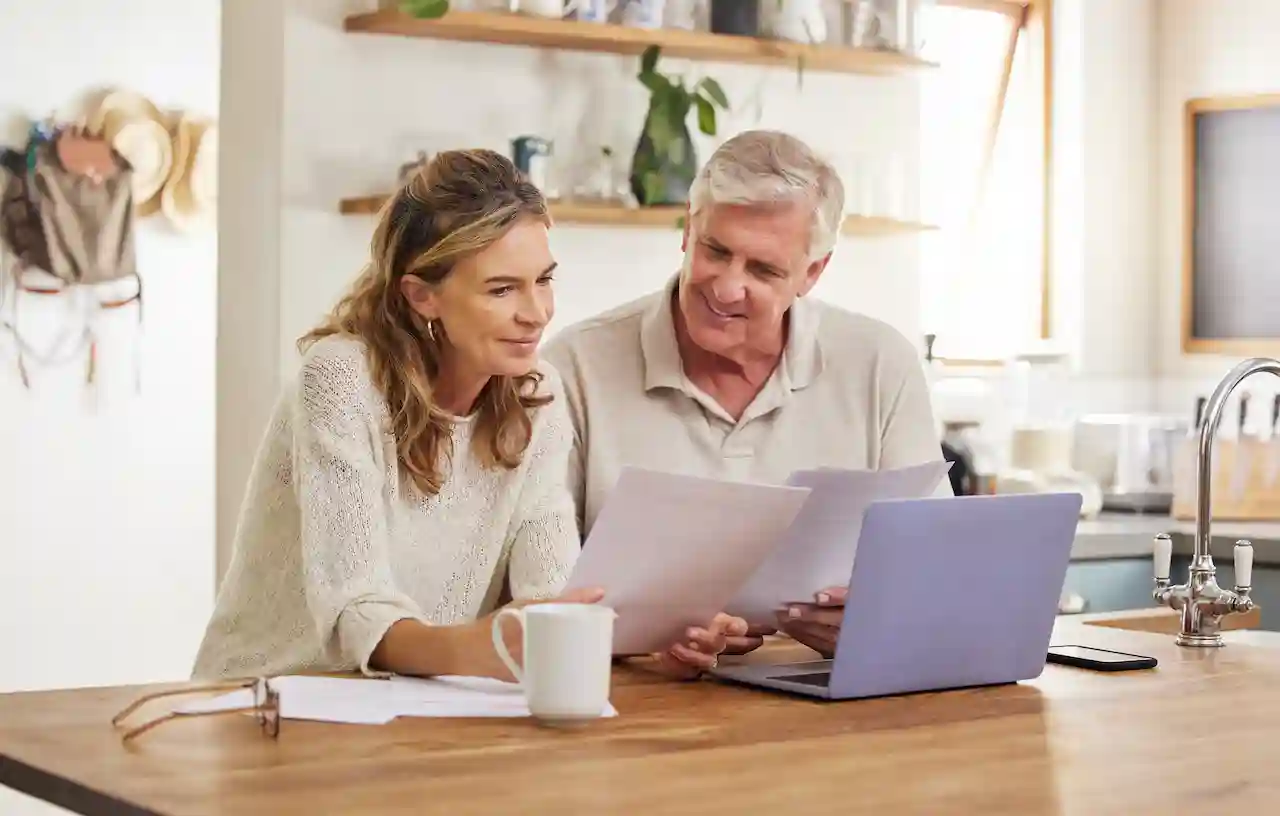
417,459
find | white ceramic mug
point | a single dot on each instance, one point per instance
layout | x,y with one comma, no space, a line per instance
555,9
568,658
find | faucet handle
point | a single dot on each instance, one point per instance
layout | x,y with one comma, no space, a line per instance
1162,556
1244,564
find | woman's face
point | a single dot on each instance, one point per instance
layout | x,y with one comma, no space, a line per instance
494,305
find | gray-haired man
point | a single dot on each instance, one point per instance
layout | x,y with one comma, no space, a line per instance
730,372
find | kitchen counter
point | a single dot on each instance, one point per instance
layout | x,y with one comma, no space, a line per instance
1192,734
1125,535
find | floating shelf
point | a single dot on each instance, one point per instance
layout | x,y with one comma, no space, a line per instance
608,215
571,35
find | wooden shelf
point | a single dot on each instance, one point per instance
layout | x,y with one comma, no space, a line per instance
571,35
607,215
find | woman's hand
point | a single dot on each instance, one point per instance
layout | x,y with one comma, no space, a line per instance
702,650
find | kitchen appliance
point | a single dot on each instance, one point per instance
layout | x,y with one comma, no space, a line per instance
1133,457
1040,462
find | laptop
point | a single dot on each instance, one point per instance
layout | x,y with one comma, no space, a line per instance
946,593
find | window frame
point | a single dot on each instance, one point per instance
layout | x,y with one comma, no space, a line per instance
1033,18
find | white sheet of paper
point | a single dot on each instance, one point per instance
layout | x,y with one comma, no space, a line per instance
818,550
451,696
370,701
670,550
321,699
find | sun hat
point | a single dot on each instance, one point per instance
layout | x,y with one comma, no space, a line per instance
135,128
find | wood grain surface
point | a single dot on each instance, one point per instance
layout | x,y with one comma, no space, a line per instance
1192,734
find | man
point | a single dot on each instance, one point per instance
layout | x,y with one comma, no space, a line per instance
730,371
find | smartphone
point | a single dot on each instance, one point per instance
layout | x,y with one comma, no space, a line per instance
1087,657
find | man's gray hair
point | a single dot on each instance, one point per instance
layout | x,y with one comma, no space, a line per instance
771,167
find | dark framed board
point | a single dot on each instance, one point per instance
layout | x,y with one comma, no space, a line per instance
1231,251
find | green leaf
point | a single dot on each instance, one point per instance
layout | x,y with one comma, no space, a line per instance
656,83
658,126
713,91
425,9
649,59
706,116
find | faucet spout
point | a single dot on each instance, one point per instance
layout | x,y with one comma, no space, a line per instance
1208,430
1201,602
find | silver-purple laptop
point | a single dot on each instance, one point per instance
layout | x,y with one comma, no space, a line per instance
946,593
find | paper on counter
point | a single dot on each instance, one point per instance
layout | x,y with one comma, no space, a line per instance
370,701
670,550
818,549
452,696
321,699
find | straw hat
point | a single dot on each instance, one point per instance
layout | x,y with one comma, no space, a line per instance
135,129
190,195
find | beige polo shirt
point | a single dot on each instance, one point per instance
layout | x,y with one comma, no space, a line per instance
850,392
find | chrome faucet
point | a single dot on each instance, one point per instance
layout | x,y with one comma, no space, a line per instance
1201,602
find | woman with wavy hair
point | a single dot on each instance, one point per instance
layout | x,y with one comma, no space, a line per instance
416,463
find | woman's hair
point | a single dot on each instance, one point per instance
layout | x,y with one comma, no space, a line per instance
459,203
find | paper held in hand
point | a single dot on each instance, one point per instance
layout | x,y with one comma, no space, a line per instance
817,550
671,550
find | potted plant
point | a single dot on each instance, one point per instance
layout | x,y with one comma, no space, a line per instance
665,160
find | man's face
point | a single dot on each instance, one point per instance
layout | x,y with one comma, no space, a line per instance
743,268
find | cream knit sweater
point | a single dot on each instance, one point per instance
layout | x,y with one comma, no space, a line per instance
333,546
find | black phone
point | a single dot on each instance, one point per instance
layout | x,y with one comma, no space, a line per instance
1087,657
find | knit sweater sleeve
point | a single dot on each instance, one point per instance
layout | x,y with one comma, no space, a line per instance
546,543
350,592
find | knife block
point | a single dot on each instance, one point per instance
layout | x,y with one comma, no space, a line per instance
1244,483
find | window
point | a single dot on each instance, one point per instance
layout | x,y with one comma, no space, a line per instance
983,169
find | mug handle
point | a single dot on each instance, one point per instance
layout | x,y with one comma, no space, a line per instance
500,644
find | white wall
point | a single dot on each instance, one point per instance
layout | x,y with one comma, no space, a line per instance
106,552
249,246
1205,49
1103,252
356,107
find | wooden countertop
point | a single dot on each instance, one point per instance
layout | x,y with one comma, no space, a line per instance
1194,733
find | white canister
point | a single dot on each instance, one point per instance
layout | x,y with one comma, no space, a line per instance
797,20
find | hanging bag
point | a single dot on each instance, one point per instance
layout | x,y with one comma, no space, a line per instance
79,191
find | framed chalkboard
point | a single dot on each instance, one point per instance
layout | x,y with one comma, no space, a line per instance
1231,254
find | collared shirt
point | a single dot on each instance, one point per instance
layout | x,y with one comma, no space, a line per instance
849,392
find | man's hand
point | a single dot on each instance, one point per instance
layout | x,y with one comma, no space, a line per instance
749,642
816,625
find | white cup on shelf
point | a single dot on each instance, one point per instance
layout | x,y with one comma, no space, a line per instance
553,9
568,659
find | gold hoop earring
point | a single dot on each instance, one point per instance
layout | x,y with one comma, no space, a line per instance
431,330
